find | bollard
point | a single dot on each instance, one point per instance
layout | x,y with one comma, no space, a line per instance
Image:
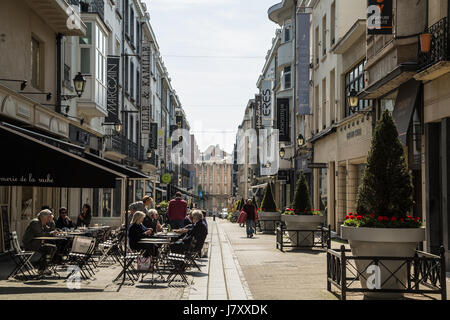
214,217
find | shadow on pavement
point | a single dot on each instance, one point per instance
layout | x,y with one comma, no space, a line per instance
30,290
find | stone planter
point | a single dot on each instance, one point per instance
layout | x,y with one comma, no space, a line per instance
302,222
385,242
268,226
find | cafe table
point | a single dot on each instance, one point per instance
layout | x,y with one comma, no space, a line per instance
164,242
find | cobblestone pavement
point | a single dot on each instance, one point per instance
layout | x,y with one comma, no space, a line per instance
292,275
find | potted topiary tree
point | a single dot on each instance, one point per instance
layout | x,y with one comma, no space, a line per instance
383,225
268,211
301,216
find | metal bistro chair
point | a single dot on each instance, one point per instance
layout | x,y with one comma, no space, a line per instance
179,263
21,258
81,255
111,249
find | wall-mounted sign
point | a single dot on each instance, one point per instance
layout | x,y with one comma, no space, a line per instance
355,133
318,165
303,41
283,119
146,89
166,178
379,17
267,108
112,97
258,111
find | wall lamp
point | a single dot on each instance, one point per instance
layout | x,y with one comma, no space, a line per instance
79,82
23,83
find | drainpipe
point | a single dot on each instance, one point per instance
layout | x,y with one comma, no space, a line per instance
59,37
292,185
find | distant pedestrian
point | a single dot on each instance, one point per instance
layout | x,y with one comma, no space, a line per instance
250,211
177,212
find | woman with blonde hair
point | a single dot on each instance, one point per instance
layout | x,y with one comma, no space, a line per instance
138,231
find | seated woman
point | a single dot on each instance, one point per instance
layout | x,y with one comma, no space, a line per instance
138,231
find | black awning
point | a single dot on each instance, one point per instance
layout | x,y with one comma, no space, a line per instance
404,107
115,166
27,161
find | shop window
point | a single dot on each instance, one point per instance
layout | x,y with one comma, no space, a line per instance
139,190
95,202
106,203
27,203
323,190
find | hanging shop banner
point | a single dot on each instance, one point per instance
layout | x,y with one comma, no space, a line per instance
153,136
283,119
145,89
258,112
161,149
267,109
303,41
379,17
112,99
179,120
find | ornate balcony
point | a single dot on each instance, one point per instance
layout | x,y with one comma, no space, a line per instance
436,62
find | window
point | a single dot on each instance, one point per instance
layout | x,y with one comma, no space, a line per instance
317,46
87,39
106,203
117,199
333,24
126,73
132,25
100,60
324,35
36,61
316,111
287,78
324,103
131,79
86,60
287,28
332,96
126,5
355,80
138,36
138,86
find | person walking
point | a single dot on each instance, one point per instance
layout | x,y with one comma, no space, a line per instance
250,211
177,212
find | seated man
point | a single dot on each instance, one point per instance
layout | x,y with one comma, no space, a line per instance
194,237
39,228
64,221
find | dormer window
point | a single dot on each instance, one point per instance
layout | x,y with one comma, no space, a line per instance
287,31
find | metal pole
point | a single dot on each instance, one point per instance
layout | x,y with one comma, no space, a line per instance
127,182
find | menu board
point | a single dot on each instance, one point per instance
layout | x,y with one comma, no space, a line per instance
5,228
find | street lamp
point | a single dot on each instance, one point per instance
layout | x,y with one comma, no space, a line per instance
300,140
79,83
282,153
118,126
163,165
149,154
353,99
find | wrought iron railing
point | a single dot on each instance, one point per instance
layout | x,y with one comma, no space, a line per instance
120,144
440,49
90,6
425,273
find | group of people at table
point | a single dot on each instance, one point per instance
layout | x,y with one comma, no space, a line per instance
144,223
44,225
192,228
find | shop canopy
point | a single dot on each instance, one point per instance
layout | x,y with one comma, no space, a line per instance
185,192
28,161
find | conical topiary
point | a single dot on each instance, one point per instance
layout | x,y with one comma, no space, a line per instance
268,203
387,188
302,200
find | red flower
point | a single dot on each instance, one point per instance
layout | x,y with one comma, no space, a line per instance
417,219
386,218
347,217
359,217
393,219
380,218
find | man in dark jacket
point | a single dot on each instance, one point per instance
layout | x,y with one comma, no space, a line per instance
194,237
64,221
39,228
250,210
177,212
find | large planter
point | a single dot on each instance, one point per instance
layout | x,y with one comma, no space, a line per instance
386,242
267,221
302,222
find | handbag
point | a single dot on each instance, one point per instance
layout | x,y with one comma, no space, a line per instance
143,263
242,217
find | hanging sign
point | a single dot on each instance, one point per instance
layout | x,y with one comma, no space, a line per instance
145,89
266,108
303,41
283,119
258,111
112,97
379,17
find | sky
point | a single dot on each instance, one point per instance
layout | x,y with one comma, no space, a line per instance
214,52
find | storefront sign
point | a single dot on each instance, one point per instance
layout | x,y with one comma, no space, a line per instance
267,109
112,99
379,17
258,111
153,136
145,89
283,119
355,133
303,41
